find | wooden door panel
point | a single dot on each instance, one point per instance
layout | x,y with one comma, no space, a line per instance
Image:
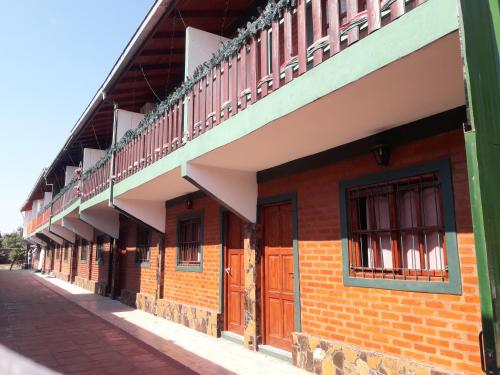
234,275
288,320
278,276
288,273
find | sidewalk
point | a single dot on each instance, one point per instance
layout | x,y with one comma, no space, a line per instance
199,352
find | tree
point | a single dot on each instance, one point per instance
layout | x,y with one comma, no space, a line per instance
16,244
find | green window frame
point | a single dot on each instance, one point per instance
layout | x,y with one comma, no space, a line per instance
189,242
84,250
440,168
99,249
143,246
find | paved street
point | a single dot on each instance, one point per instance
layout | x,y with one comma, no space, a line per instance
40,324
73,331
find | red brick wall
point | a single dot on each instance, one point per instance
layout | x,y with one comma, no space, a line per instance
66,265
194,288
441,330
138,279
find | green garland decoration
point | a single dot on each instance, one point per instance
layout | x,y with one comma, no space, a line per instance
226,50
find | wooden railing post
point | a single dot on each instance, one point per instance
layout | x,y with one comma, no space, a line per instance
302,36
374,19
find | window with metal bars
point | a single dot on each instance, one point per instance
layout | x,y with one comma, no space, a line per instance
58,252
143,244
66,250
84,249
398,230
189,242
99,249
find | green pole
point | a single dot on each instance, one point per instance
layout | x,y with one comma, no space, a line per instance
480,39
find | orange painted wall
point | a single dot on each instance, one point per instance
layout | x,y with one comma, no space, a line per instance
194,288
441,330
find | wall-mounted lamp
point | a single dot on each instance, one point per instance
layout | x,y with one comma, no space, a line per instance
382,154
188,203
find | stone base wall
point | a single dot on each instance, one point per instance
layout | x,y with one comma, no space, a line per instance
328,357
61,276
202,320
91,285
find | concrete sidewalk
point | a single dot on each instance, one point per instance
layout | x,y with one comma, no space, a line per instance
199,352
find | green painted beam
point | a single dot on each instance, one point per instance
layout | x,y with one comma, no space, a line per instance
480,31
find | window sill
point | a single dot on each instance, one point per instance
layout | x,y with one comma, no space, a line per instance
440,287
197,268
83,261
143,264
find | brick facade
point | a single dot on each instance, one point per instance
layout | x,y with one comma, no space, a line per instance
441,330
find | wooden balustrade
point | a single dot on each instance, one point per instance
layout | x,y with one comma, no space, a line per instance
96,182
302,37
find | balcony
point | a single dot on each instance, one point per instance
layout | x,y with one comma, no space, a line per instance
303,74
40,221
66,197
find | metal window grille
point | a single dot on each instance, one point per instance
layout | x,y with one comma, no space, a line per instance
143,245
189,242
396,230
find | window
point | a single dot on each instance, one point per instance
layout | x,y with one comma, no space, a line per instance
99,249
58,252
143,245
66,250
399,231
189,243
84,249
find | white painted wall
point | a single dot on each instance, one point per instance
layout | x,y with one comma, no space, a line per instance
236,190
103,219
200,46
90,157
126,120
150,212
70,173
63,232
78,227
47,197
37,206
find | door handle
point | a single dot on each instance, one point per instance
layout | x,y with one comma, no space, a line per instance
228,271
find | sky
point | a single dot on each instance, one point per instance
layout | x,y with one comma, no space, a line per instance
54,55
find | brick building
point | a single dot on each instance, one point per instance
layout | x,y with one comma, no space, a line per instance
306,193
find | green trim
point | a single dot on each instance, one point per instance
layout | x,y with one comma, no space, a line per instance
434,19
480,38
101,197
186,216
275,353
76,204
292,198
454,284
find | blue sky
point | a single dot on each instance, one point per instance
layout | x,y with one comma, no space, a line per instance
54,55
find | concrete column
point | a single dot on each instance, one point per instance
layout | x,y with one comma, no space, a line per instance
251,332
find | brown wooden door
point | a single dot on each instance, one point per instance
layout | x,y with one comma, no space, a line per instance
235,275
278,276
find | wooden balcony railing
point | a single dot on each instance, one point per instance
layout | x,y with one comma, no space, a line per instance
299,39
41,219
96,181
71,194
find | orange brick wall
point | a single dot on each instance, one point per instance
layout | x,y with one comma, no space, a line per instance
441,330
194,288
138,279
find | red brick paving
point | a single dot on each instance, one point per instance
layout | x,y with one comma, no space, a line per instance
41,325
